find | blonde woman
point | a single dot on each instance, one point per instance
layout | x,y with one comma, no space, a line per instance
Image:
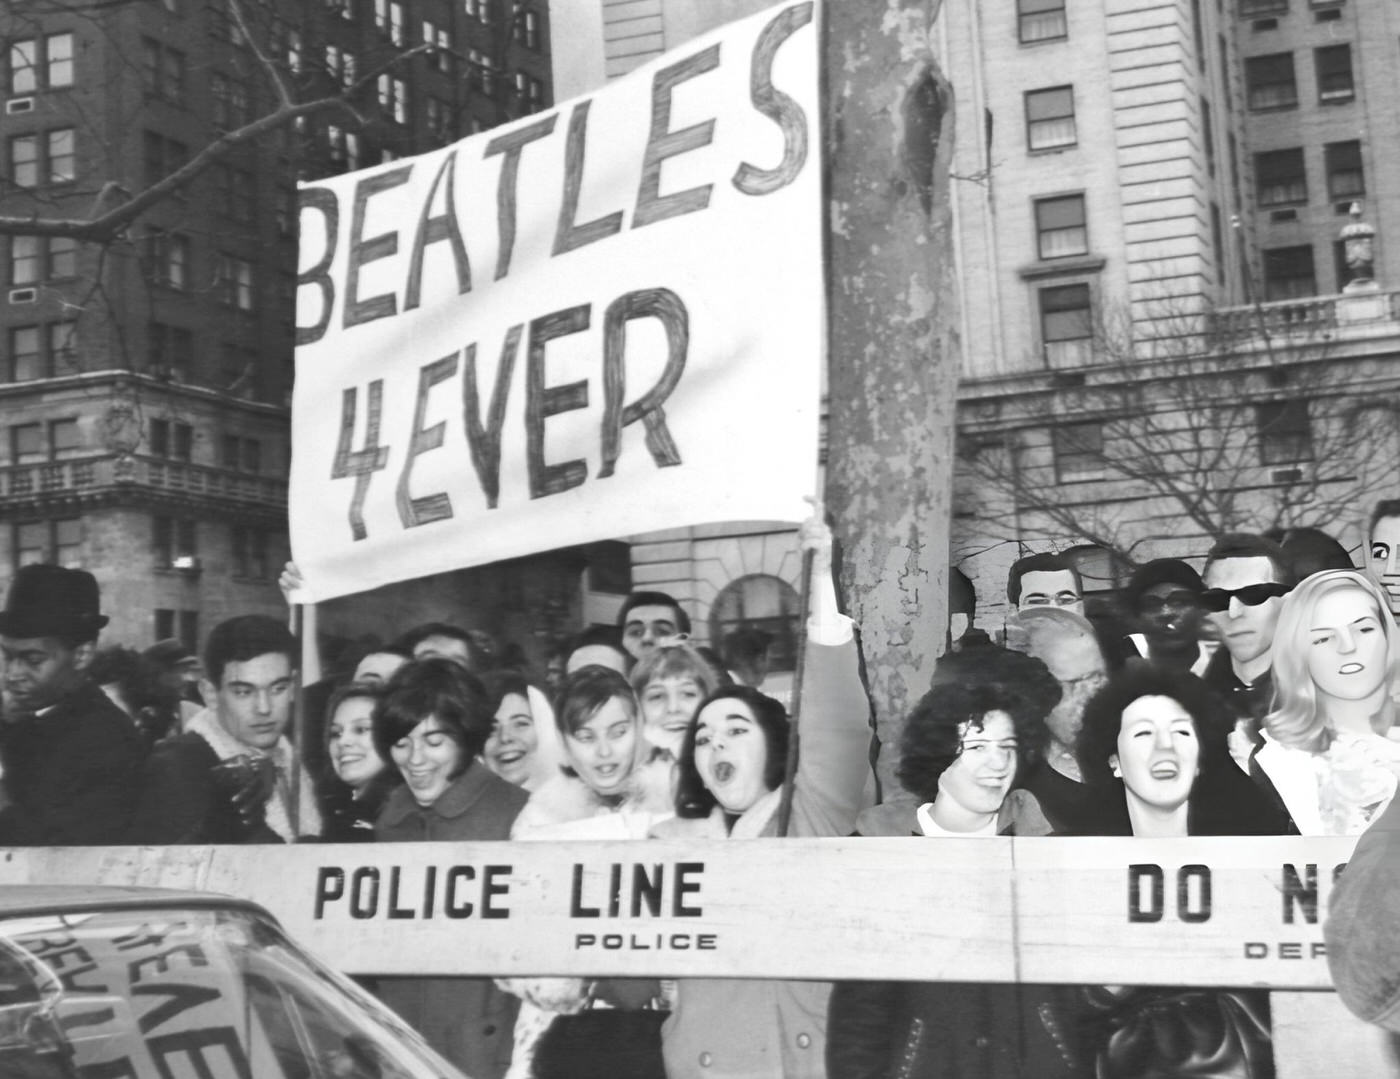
1330,746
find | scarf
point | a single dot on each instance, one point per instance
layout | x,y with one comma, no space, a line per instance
206,724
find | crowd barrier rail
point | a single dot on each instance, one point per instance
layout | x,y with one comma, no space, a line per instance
1201,911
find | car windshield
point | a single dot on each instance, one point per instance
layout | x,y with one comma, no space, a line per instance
171,993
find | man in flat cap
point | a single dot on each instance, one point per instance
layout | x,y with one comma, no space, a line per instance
72,759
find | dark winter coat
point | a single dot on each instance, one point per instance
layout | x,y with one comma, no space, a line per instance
180,802
926,1030
72,775
467,1020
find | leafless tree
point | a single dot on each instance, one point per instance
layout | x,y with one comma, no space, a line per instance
1202,426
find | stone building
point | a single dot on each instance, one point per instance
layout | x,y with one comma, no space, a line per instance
145,371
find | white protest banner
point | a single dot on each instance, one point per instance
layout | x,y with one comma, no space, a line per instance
603,319
1217,911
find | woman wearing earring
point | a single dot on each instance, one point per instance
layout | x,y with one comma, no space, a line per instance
1330,749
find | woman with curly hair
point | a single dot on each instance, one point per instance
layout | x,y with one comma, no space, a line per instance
1153,747
966,743
963,746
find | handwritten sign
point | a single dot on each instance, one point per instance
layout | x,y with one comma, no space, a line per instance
599,320
1197,911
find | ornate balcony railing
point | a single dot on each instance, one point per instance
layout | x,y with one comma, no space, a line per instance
1316,316
91,475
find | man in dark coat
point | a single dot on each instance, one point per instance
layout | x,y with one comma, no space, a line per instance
229,778
71,758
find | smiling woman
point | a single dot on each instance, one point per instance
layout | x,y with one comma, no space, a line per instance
433,723
1153,747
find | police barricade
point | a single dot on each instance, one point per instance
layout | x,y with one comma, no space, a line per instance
1204,912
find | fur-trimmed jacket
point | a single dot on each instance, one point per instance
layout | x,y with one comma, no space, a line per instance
565,807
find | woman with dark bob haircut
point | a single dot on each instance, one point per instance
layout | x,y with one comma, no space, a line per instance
1191,776
693,798
432,723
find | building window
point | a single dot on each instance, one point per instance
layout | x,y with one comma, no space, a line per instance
44,63
388,16
161,156
1288,273
1251,8
57,542
1334,81
1059,227
1078,451
341,65
174,540
50,156
169,351
442,39
344,146
530,29
65,439
759,602
1270,82
1284,432
436,117
27,443
24,160
26,361
242,454
231,105
236,192
24,260
168,258
1050,118
1280,177
62,256
1208,136
1345,177
250,553
171,439
181,625
63,347
236,282
530,92
62,158
1041,20
393,97
162,71
1066,324
344,8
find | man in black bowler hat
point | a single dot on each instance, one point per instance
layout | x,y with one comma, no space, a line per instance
72,758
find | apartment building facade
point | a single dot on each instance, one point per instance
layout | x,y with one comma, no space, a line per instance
146,372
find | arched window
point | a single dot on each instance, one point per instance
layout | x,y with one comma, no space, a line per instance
759,601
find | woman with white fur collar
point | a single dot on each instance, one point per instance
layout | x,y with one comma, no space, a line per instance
610,788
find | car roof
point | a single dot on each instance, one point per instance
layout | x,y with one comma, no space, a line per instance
28,899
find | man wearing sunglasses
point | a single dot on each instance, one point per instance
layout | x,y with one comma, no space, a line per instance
1246,578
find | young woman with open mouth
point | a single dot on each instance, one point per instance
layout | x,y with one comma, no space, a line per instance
1330,742
730,780
609,788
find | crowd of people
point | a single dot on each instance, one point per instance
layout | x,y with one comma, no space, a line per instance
1256,697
